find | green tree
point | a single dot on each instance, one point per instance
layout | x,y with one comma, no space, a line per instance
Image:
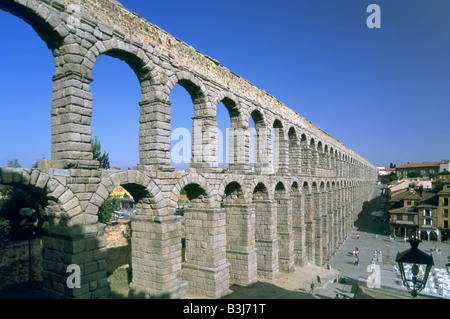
13,163
97,152
109,206
414,174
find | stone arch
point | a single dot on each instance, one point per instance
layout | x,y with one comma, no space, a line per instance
42,18
260,183
238,135
148,196
149,83
60,203
261,138
192,85
294,150
281,186
229,184
231,103
135,57
204,126
202,191
278,143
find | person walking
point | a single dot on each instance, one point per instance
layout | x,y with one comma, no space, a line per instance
356,260
312,287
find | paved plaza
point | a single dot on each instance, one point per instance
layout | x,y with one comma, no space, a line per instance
371,235
390,282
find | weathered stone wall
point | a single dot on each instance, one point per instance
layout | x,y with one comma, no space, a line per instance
118,244
296,206
15,262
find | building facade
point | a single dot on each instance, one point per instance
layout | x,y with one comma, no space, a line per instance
421,212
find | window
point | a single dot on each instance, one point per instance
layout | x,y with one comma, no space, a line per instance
410,218
427,221
446,201
446,212
445,223
399,217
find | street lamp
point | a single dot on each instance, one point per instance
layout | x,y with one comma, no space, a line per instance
413,277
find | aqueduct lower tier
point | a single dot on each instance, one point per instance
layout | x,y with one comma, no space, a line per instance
295,206
238,227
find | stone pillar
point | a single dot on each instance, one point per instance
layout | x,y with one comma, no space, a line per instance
156,258
286,234
266,238
325,226
241,249
262,151
154,135
314,160
204,142
69,251
298,219
341,213
306,159
70,120
318,228
295,164
206,269
238,148
309,227
283,157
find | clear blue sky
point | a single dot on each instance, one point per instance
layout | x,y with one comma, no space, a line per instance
385,93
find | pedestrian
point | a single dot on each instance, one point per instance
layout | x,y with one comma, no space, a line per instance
356,260
312,287
380,257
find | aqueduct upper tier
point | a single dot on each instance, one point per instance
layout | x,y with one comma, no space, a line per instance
295,206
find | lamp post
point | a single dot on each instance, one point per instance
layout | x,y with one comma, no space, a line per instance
415,280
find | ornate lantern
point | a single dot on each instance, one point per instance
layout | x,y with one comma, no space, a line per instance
411,263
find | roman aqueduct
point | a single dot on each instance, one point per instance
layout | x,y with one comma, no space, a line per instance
295,206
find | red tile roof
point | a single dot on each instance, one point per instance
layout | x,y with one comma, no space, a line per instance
424,164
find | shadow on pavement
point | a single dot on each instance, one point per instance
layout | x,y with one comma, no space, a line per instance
262,290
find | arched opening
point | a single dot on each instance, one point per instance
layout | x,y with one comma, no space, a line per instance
284,228
277,145
228,136
25,105
115,113
258,141
305,155
181,114
294,151
265,232
189,197
117,212
240,235
23,212
203,128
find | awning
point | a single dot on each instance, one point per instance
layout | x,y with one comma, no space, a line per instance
121,192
